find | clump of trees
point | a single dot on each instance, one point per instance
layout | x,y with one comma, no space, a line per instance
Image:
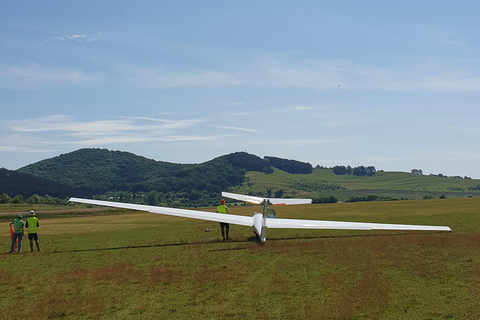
450,177
357,171
249,162
33,199
420,172
327,199
290,166
370,197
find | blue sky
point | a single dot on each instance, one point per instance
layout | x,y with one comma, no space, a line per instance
395,86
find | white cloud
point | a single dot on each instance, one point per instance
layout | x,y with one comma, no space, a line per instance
27,149
464,129
320,75
62,130
93,128
34,76
303,108
441,34
121,139
240,129
78,37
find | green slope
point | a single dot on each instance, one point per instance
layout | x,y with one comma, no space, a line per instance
322,182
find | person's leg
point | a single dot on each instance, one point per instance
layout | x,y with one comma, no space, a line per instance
14,238
228,229
223,233
19,241
33,237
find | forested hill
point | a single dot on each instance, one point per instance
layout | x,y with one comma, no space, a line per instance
23,185
101,171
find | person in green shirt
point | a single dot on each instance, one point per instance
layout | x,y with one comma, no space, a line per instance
222,208
18,232
31,225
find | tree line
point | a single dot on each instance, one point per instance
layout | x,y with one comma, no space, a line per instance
357,171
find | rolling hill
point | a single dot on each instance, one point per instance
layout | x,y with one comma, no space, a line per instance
130,177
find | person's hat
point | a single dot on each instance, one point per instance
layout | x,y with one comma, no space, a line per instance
19,216
32,213
222,201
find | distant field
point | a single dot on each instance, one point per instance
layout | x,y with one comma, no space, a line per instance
146,266
9,211
322,182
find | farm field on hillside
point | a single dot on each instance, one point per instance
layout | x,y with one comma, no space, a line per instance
323,182
139,265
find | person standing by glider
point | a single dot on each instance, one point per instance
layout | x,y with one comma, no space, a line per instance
18,233
32,224
222,208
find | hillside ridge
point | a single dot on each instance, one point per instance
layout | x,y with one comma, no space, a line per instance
130,177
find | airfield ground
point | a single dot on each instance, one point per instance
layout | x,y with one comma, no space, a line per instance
134,265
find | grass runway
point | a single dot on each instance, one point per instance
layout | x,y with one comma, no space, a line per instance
134,265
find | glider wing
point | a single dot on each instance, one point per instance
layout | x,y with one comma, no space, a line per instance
319,224
202,215
258,200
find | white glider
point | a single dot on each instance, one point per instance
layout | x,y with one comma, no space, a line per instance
260,221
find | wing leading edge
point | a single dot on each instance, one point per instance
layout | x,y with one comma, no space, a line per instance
341,225
202,215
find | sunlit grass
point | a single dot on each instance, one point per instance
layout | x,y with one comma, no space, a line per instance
141,265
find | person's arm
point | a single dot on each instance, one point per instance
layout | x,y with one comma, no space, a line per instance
23,231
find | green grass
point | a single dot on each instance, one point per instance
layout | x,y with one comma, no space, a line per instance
322,182
146,266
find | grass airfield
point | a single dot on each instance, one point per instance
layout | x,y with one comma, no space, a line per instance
133,265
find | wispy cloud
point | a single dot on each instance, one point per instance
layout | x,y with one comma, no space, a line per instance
320,75
442,35
303,108
464,129
26,149
240,129
34,76
77,37
68,125
62,130
119,139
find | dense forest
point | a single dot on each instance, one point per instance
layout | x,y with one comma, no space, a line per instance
114,174
290,166
24,185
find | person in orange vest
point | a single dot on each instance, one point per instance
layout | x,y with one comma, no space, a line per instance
32,224
222,208
18,233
